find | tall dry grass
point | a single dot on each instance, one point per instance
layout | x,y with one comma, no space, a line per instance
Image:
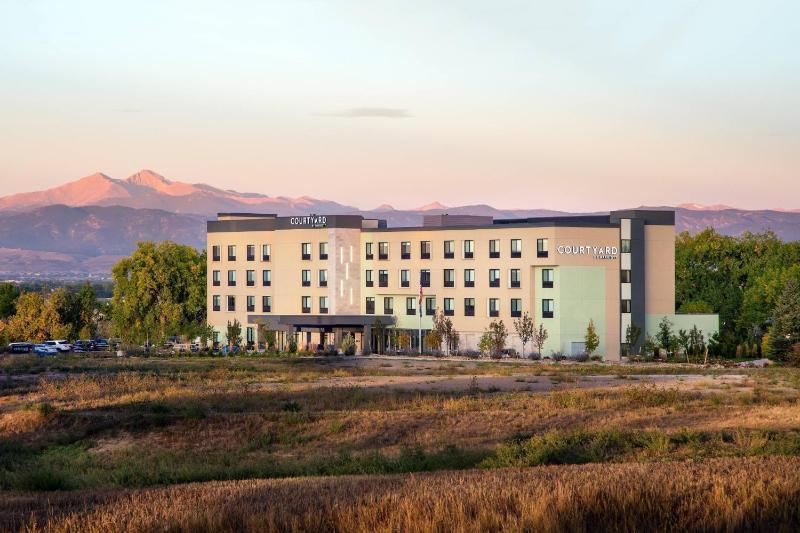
718,495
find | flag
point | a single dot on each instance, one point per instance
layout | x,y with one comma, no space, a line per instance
419,304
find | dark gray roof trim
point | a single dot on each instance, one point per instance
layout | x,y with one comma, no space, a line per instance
343,321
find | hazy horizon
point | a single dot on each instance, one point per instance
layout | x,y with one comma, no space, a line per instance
576,106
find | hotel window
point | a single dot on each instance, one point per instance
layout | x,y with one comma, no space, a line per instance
469,277
449,277
449,306
231,278
469,306
516,248
368,278
251,252
449,249
494,277
494,248
548,308
250,335
266,278
305,251
425,278
306,278
265,252
383,251
370,305
405,280
430,306
215,302
541,248
305,304
425,249
469,249
516,307
625,276
323,305
215,252
547,278
625,246
251,304
323,278
383,278
266,304
215,278
411,308
368,251
514,279
251,278
625,306
494,307
388,305
405,250
231,252
323,250
231,303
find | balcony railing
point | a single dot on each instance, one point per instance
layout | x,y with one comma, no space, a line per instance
541,253
494,282
306,310
449,255
323,283
515,284
370,308
469,310
516,314
323,310
547,314
405,255
411,312
494,313
494,255
469,283
306,257
266,308
449,283
449,312
405,283
516,255
547,284
430,311
388,311
469,255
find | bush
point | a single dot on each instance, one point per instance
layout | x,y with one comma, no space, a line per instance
579,357
557,356
534,356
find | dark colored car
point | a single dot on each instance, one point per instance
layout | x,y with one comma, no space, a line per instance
20,347
101,345
82,346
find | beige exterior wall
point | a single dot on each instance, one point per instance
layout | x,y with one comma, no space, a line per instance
659,264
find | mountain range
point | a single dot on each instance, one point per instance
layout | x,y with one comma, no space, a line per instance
84,226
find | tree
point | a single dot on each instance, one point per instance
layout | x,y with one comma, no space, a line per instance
348,345
592,341
206,334
697,307
403,340
632,335
234,334
35,320
379,330
159,291
433,340
785,330
539,338
684,342
8,299
697,343
497,336
485,343
445,331
664,335
525,329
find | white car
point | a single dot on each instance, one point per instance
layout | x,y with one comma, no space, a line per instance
44,349
61,345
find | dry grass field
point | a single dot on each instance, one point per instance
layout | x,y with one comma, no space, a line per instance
355,444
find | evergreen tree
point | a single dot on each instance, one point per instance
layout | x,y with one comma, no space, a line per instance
785,330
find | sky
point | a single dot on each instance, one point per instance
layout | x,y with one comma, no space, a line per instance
574,105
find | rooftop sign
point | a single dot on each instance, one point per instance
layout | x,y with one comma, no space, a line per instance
309,221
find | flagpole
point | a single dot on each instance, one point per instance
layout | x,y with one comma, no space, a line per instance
419,306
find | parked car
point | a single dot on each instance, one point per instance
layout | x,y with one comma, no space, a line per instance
61,345
101,345
44,349
83,345
20,347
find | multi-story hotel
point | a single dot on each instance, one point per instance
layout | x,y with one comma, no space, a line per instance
321,277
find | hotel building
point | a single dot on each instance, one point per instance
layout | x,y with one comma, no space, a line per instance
320,277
